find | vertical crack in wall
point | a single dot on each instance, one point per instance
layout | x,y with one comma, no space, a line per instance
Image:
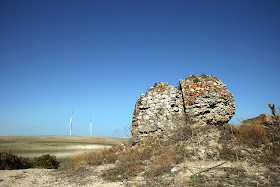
184,107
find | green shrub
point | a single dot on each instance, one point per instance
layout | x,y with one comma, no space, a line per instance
46,161
10,161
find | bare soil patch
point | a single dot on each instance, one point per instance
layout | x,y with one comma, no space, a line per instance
198,173
52,177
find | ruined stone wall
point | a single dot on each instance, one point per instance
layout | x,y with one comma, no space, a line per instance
163,109
207,100
158,110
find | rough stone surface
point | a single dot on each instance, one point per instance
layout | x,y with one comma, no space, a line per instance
207,100
158,110
201,100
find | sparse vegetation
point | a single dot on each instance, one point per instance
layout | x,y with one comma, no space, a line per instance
153,158
164,160
256,142
252,135
95,157
197,177
276,117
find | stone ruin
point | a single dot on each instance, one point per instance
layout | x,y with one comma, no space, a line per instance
163,109
158,110
207,100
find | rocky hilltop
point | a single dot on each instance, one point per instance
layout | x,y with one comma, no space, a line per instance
199,100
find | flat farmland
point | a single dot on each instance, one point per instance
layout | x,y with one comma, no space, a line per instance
62,146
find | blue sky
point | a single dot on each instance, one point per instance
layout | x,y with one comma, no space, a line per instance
98,57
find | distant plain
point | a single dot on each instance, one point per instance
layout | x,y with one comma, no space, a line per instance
62,146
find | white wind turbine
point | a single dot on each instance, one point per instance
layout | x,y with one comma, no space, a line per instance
70,124
90,127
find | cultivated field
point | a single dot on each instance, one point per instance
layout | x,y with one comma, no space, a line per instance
62,146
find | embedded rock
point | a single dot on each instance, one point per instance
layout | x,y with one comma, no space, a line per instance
207,100
158,111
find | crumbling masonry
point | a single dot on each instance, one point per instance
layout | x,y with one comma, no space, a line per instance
203,100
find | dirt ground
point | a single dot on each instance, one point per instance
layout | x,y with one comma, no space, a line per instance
216,171
51,177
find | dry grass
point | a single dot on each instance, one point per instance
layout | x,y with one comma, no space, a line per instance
129,164
96,157
145,156
151,156
163,161
258,141
252,135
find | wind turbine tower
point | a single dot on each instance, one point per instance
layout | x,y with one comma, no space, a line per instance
70,124
90,127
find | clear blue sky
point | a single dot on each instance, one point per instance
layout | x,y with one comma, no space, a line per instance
97,57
